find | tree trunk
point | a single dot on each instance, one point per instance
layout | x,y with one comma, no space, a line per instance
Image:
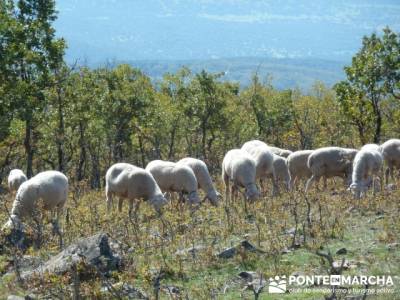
28,147
82,157
378,126
60,133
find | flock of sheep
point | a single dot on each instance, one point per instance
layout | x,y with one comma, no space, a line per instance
241,169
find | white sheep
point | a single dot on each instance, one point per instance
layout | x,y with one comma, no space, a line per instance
297,164
279,151
239,167
268,164
50,186
330,162
173,177
15,179
275,150
131,182
203,178
280,174
367,164
391,153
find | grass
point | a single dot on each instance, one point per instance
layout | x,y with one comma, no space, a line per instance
156,246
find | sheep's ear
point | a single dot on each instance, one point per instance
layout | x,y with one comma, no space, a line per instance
164,194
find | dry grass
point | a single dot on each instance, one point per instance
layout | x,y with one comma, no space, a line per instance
154,247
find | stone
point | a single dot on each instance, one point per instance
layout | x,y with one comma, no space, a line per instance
341,251
95,252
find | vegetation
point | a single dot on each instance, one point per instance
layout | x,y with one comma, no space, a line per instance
80,121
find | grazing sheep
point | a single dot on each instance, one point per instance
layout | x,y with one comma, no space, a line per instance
330,162
131,182
203,178
268,164
297,164
280,174
391,153
239,167
367,163
275,150
50,186
173,177
15,179
281,152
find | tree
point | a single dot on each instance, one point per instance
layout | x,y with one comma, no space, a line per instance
373,76
29,52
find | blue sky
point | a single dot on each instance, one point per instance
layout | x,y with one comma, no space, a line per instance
97,30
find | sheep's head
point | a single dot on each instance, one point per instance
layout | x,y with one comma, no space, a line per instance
357,189
13,222
193,198
251,192
158,201
214,197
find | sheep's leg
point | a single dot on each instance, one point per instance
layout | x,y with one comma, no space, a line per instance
109,199
293,181
310,181
120,204
226,182
262,186
233,193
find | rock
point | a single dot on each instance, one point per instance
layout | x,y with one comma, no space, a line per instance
124,290
171,290
392,246
13,297
228,253
341,251
248,275
191,251
290,231
95,252
249,247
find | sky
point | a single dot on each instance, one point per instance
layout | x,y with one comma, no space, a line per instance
98,30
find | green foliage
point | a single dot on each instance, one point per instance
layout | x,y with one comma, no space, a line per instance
372,77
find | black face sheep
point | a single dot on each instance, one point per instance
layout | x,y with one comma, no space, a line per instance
173,177
391,153
203,178
330,162
131,182
15,179
50,186
239,167
367,164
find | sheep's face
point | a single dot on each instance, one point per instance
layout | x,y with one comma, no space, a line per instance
158,202
13,223
251,192
193,198
358,190
214,197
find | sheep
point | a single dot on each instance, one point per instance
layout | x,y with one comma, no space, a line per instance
173,177
15,179
367,163
268,164
128,181
281,152
391,154
330,162
280,173
297,164
50,186
275,150
239,167
203,178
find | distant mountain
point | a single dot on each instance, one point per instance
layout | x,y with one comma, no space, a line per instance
208,31
285,73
